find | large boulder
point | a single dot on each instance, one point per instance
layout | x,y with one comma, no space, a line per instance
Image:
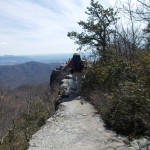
57,75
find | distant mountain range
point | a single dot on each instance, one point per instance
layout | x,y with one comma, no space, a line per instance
29,73
12,60
51,58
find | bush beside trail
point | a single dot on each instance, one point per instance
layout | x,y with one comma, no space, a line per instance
120,90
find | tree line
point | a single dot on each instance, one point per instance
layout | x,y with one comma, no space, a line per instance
118,84
117,28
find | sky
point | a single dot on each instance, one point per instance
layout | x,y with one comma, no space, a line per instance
29,27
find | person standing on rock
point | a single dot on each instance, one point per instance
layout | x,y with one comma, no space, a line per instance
76,66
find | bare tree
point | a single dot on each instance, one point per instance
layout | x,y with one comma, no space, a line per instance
129,36
143,10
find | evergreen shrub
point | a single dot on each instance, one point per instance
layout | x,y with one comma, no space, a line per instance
120,90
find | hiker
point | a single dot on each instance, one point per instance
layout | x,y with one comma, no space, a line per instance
76,66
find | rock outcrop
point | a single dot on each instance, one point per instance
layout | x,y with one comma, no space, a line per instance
140,144
76,125
56,76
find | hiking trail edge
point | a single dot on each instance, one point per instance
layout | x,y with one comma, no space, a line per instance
76,125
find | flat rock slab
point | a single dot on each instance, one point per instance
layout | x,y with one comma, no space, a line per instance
76,126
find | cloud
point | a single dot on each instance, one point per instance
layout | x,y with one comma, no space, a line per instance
40,26
3,43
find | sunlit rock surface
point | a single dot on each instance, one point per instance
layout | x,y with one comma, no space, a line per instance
76,125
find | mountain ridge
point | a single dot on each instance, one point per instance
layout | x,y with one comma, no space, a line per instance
50,58
26,74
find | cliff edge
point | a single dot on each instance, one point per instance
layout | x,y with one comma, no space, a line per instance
76,125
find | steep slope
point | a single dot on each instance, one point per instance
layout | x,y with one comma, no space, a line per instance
25,74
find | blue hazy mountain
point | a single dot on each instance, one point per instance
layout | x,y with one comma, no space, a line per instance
16,71
12,60
29,73
51,58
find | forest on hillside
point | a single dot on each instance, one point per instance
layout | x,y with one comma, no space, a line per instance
22,112
25,102
29,73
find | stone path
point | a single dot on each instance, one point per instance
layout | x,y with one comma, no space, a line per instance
75,126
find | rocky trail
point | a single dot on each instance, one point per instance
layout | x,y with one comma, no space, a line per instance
76,125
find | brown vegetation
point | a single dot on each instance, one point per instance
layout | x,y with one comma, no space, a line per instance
23,111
